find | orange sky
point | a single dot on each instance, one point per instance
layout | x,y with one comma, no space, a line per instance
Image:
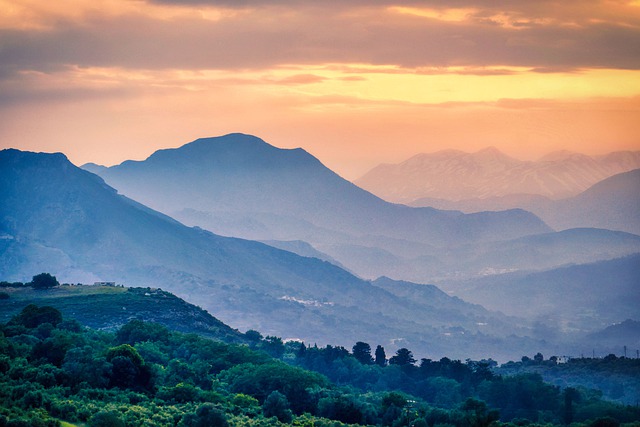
356,83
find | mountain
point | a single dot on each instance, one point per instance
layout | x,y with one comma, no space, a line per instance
618,335
530,253
612,203
258,191
583,297
58,218
238,185
455,175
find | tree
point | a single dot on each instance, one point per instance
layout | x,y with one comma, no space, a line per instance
33,316
403,357
302,350
138,331
277,405
44,281
129,369
571,395
107,419
362,352
381,356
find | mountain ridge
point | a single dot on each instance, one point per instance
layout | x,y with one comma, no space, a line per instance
460,175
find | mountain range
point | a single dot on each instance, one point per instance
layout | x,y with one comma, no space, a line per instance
239,185
612,203
455,175
58,218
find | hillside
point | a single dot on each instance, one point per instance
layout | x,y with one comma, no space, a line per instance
67,221
613,203
110,307
455,175
584,297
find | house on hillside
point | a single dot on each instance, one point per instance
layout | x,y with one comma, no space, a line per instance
104,283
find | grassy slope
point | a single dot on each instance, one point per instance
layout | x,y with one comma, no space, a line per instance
106,307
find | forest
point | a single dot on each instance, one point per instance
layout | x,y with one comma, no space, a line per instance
55,372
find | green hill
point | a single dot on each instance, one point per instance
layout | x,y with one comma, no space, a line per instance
110,307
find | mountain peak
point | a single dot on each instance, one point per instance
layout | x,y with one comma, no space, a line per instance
15,155
228,152
492,153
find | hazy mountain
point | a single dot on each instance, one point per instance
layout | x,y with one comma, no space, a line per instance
612,203
281,194
530,253
238,185
618,335
61,219
455,175
303,249
495,203
576,297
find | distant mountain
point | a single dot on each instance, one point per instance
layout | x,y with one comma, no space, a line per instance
613,203
456,175
530,253
238,185
303,249
577,297
618,335
67,221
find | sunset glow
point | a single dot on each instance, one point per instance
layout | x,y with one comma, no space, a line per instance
354,84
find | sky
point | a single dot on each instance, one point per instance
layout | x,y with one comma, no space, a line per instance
356,83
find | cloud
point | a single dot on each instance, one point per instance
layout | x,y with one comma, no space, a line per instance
272,33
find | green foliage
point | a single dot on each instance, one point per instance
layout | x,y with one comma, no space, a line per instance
107,419
138,331
381,356
403,357
362,352
44,281
260,381
146,375
617,377
207,415
277,405
33,316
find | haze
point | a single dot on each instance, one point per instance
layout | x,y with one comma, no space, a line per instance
355,83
